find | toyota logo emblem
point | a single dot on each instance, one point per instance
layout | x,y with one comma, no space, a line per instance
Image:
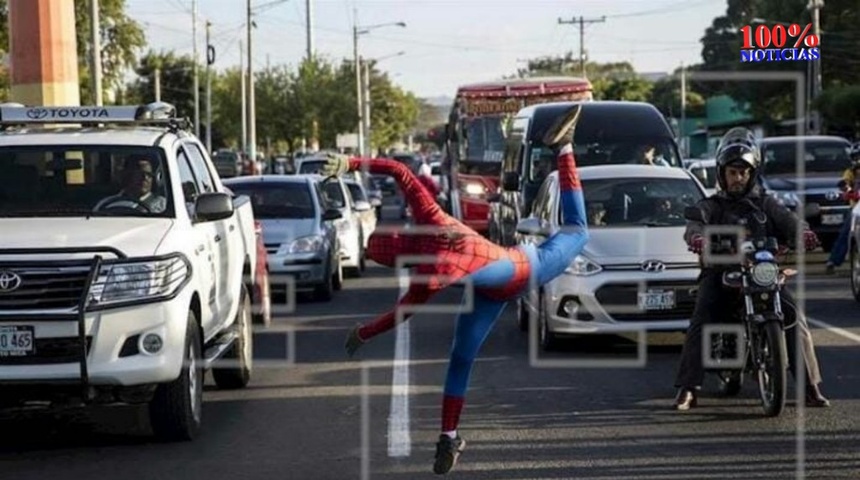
37,113
653,266
9,281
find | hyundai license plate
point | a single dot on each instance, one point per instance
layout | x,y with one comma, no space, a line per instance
16,341
831,219
657,300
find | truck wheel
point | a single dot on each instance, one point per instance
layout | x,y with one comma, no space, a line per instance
175,411
239,358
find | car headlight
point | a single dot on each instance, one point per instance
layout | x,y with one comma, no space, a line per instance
583,267
765,274
309,244
788,199
137,281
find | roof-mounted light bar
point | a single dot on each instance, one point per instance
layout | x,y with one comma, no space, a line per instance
157,113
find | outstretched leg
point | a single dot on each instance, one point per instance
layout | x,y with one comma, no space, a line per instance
470,333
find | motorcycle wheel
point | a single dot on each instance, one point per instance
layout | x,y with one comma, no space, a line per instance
729,382
772,371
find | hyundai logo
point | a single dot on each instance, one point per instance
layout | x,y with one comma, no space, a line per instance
653,266
9,281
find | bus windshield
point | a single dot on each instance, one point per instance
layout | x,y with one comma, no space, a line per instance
485,139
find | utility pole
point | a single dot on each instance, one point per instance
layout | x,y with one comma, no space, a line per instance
682,128
581,21
815,7
252,109
97,52
157,80
310,15
366,116
196,72
243,93
210,59
357,63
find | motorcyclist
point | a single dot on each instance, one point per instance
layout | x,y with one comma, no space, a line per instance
740,196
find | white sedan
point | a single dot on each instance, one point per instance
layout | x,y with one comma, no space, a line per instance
635,271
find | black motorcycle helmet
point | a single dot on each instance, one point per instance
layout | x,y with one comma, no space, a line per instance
738,147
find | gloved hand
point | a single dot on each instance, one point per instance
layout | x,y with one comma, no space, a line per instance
335,165
850,195
810,240
696,244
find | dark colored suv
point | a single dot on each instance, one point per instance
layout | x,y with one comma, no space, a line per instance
608,132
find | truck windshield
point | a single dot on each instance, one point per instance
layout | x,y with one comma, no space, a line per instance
819,156
77,180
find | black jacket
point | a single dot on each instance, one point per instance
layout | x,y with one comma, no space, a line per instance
773,219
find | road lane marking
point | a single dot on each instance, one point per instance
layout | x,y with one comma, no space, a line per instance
399,436
834,329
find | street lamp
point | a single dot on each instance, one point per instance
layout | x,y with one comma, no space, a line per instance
356,31
366,116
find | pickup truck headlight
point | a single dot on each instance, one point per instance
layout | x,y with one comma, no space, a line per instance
135,281
309,244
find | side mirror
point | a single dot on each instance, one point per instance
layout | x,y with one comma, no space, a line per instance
332,214
362,206
531,226
694,214
213,206
811,210
510,182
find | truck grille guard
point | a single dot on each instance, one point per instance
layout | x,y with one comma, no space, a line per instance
78,313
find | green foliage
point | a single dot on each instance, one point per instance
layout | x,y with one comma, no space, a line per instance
841,105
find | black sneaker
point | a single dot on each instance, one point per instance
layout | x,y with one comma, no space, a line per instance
448,450
561,131
353,341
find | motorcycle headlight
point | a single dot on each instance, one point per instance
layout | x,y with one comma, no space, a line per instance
765,274
309,244
138,281
583,267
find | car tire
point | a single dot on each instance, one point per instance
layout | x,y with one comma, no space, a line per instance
854,263
325,291
522,315
240,356
548,340
175,411
337,280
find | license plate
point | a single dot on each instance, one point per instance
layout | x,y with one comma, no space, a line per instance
16,341
656,300
831,219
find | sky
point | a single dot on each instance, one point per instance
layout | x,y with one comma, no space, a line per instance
445,43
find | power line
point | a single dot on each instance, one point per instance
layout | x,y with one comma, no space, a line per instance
582,21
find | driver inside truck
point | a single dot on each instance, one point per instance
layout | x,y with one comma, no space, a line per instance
138,175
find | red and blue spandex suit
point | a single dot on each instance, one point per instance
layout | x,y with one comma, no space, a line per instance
497,274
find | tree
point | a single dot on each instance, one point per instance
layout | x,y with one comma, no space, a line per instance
666,96
609,81
841,105
177,80
121,40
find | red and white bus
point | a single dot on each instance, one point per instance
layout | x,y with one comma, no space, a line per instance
476,132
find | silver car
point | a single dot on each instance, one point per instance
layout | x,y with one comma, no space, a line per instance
706,172
635,271
366,214
298,232
336,196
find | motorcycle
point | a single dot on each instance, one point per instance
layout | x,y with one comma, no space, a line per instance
757,346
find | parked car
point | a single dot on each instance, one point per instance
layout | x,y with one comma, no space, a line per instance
336,196
824,158
635,270
311,164
298,231
706,172
228,163
608,132
366,214
124,264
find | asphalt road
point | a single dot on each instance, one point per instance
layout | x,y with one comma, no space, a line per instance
303,419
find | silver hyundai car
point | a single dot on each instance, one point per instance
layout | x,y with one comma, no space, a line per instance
635,271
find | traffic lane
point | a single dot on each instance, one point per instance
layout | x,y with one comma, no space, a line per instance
525,422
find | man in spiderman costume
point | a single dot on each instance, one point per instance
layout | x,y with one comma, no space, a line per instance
497,274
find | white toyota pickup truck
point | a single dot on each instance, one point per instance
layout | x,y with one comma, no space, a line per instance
124,265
